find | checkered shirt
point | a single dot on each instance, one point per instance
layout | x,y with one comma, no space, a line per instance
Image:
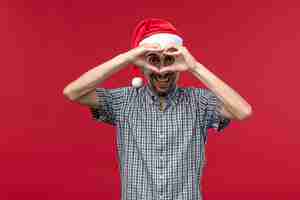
161,153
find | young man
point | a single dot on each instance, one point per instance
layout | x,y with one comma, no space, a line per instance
162,128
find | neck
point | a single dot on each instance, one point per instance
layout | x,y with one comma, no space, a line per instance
162,95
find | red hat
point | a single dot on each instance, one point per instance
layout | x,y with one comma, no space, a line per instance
152,31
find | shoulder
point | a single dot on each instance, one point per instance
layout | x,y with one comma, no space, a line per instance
128,93
114,91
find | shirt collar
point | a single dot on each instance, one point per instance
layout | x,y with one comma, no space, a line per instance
172,96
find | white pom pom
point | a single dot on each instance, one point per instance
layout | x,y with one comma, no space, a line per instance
137,82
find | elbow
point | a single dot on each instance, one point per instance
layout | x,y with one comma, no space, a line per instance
69,95
246,113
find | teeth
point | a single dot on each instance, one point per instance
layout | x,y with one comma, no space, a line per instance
162,79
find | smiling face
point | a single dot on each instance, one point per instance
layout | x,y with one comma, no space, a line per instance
161,84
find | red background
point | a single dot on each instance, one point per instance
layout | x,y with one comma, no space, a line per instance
51,149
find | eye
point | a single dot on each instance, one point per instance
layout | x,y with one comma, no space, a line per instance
153,59
169,60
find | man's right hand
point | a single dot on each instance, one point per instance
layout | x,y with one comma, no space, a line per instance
83,89
137,57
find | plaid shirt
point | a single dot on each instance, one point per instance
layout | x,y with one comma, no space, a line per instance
161,153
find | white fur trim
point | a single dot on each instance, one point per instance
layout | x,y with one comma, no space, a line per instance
137,82
163,39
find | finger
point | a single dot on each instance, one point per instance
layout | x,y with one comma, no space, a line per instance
152,47
144,65
142,49
167,69
172,47
176,53
152,68
158,51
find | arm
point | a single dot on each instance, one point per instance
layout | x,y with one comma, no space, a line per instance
83,89
234,106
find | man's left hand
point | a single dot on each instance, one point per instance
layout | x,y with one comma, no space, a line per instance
183,59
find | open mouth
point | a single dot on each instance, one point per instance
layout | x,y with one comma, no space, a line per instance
162,81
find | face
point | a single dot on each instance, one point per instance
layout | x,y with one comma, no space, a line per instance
161,83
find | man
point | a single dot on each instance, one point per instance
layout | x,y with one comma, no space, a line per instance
162,128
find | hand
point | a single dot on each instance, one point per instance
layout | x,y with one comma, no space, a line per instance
183,59
136,56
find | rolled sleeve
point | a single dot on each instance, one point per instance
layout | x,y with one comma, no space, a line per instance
110,102
214,117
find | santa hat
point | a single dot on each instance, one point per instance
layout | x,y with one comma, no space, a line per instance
152,31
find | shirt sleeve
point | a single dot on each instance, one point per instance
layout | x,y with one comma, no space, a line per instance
110,102
214,118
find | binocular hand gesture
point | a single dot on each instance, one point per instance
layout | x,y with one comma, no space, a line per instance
183,59
176,58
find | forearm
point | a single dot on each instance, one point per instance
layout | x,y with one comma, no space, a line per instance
90,79
232,101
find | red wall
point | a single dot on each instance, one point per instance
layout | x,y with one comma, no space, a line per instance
51,149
